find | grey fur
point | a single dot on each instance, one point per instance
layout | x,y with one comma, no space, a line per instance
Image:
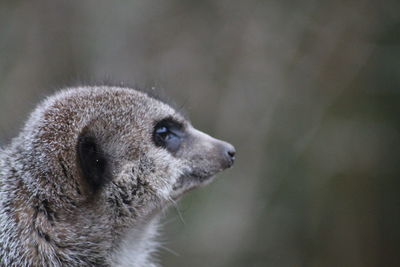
49,216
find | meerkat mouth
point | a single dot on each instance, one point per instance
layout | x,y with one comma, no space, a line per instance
187,183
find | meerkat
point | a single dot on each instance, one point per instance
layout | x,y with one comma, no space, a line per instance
85,181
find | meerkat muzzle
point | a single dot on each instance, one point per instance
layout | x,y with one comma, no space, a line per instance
228,154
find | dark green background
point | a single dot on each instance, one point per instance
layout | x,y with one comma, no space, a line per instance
308,92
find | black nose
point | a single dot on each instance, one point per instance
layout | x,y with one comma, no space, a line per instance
229,152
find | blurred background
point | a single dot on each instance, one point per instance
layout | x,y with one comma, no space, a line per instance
308,92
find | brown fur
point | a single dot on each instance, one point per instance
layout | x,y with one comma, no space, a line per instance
51,214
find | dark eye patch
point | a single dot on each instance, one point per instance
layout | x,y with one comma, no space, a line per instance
93,162
169,134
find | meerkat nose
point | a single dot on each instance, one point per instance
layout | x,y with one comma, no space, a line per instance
229,153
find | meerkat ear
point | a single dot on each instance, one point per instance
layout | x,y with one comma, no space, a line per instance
93,162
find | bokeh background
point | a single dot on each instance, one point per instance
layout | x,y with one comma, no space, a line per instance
308,91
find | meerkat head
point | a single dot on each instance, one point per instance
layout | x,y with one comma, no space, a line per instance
90,170
119,147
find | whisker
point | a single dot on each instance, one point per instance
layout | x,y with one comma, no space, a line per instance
170,251
177,210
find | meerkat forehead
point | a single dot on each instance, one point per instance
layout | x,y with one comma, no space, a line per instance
67,113
107,101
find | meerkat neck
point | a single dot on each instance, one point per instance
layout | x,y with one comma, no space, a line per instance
138,245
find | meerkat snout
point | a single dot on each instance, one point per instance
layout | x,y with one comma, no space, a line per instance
85,181
221,151
229,153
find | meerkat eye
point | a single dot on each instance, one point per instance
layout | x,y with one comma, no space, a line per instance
162,132
168,134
